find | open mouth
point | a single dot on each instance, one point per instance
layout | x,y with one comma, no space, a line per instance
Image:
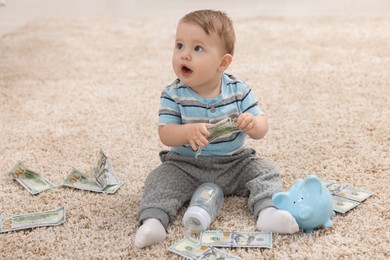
185,70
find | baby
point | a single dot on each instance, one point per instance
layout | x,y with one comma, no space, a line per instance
202,95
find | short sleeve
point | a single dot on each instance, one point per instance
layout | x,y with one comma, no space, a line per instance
249,103
169,112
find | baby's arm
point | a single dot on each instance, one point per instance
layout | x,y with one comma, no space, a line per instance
177,135
255,126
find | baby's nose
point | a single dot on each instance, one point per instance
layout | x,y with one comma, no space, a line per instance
186,55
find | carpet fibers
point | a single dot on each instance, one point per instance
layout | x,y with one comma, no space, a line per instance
69,87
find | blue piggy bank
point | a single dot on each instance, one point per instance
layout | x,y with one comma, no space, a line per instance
309,201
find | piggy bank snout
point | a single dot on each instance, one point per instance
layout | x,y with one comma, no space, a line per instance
305,212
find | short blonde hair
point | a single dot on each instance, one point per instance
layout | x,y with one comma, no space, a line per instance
214,21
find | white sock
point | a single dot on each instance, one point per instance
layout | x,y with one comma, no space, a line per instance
277,221
151,232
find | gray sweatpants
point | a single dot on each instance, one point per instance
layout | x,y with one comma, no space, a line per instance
174,181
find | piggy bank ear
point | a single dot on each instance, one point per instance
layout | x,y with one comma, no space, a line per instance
280,200
313,184
298,182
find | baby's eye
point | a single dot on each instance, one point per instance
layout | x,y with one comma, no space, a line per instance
198,48
179,46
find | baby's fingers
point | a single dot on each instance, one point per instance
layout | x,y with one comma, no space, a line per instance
198,142
193,145
243,121
206,133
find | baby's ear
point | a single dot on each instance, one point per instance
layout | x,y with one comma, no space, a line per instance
225,62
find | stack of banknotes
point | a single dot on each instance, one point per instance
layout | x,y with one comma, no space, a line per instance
221,129
345,197
205,247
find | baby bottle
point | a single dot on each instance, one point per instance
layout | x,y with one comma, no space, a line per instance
204,207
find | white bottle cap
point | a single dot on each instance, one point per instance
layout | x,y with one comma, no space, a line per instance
195,212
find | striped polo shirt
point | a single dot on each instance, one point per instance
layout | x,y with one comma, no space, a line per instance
181,105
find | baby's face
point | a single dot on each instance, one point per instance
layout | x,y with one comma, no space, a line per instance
197,56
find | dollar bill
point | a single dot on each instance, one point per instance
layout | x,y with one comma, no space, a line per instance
221,129
332,186
342,205
327,183
214,253
32,181
351,193
236,239
104,173
78,180
217,238
190,248
345,197
346,191
224,127
32,220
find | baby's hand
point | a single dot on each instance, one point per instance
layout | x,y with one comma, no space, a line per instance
196,135
246,122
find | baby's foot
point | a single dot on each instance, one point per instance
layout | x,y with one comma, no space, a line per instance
151,232
277,221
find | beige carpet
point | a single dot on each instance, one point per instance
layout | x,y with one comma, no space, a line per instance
71,87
